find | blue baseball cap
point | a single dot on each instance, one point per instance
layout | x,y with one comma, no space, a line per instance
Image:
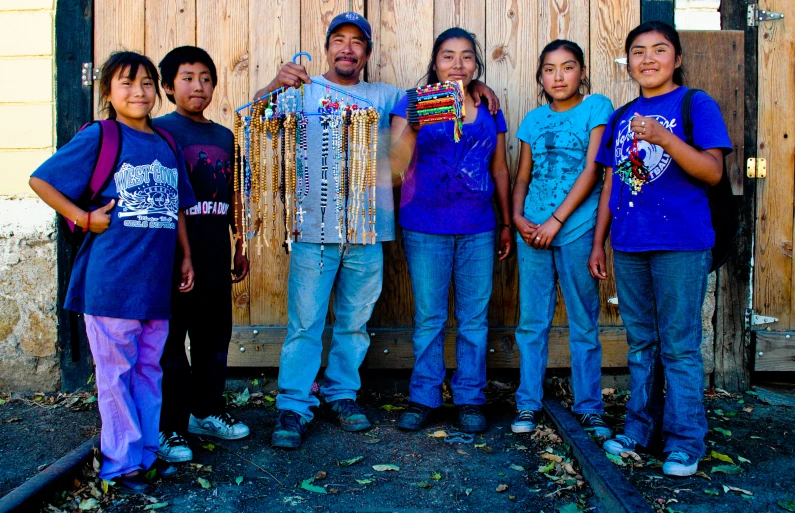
354,19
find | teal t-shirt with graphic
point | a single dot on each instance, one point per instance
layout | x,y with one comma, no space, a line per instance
559,144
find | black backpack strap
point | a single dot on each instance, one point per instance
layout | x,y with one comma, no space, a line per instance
618,115
687,119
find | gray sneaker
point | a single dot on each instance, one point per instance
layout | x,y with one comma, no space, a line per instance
173,448
525,422
224,426
619,444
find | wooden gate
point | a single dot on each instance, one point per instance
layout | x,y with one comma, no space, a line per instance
249,39
773,290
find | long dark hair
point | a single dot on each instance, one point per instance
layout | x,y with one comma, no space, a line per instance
118,62
669,33
454,33
559,44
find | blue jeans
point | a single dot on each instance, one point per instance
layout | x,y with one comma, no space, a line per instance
539,269
356,274
433,261
660,294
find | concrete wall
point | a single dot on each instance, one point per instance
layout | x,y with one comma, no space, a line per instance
697,15
28,358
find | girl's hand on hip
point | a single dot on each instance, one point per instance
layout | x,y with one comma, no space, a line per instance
506,243
649,129
596,263
545,234
187,275
100,218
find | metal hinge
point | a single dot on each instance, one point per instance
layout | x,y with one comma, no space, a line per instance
755,15
89,74
751,319
756,168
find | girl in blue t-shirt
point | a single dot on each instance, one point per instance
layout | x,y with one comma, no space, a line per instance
449,233
655,202
555,198
121,278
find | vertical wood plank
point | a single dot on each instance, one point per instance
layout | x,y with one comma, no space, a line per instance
222,28
316,16
273,40
118,25
511,51
563,19
467,14
611,21
774,223
169,24
402,43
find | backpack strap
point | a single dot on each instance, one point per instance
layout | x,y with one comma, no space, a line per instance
169,139
619,114
687,119
107,157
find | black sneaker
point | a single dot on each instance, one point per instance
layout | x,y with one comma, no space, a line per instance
131,484
471,419
415,417
347,414
288,431
594,423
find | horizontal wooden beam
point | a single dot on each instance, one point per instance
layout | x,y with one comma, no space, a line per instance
775,351
260,346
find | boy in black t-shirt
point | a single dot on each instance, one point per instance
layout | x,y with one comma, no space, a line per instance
193,394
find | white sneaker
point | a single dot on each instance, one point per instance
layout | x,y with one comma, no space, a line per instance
174,448
680,464
223,426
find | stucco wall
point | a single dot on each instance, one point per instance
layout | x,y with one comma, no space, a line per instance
28,358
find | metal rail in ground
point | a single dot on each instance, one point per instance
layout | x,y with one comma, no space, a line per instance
613,490
29,495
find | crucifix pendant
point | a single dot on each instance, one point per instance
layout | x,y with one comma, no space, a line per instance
288,244
259,246
296,234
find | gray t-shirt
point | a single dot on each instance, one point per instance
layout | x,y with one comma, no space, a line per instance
384,98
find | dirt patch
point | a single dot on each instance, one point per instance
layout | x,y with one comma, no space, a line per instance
497,471
37,430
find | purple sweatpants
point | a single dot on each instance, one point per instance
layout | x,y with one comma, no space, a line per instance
127,358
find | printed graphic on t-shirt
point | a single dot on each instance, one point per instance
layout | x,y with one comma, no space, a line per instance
210,172
148,193
654,157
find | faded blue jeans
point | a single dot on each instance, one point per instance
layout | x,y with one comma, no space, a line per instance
434,261
539,269
356,275
660,294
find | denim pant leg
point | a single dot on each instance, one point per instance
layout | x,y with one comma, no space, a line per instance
680,284
536,309
308,292
581,292
636,302
473,268
145,386
357,288
430,263
115,350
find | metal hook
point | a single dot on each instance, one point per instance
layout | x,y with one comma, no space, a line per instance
299,55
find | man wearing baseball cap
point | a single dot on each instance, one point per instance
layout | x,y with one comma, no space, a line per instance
355,272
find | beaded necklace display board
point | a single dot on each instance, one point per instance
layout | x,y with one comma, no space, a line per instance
435,103
272,172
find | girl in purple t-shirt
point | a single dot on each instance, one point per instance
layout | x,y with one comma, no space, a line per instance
449,233
655,198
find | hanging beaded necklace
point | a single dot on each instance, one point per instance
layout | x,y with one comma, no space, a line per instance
632,171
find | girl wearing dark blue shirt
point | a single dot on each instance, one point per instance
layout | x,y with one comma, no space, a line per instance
655,201
121,278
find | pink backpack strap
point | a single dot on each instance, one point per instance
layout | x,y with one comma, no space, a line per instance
107,157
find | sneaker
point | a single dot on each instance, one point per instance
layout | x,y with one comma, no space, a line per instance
349,415
161,469
415,417
289,429
173,448
224,426
594,423
619,444
525,422
133,483
680,464
471,418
